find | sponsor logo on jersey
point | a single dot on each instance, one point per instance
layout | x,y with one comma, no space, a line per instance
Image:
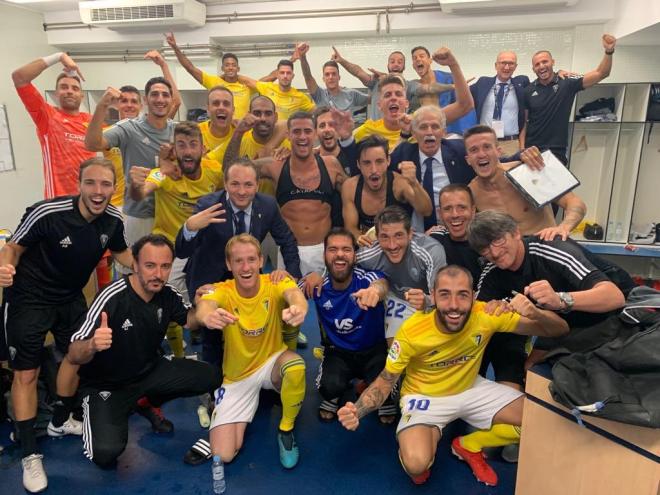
451,362
105,395
344,325
66,242
126,325
104,240
395,350
535,93
157,175
327,305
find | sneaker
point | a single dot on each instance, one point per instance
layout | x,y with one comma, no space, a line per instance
159,423
34,476
302,341
477,462
69,427
510,452
420,479
289,453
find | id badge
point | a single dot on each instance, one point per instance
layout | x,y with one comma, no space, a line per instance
498,127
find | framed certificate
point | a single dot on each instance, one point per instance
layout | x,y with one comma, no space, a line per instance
541,187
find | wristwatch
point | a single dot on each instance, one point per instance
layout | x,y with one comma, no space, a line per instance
567,300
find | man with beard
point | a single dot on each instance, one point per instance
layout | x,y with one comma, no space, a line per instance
352,316
61,130
176,199
422,65
493,191
440,352
549,100
457,210
228,79
43,270
252,312
344,99
118,348
288,100
139,140
375,188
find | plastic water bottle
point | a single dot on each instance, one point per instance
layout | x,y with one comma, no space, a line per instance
618,233
218,471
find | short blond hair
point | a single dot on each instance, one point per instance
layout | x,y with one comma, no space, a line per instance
241,239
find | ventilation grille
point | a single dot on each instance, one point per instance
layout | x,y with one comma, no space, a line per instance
164,11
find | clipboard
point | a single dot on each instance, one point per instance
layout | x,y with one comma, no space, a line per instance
541,187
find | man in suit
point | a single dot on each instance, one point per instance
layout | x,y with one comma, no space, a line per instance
447,158
203,236
498,102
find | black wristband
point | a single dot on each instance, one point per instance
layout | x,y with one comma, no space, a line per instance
611,52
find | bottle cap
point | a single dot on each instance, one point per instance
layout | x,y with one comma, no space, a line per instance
216,458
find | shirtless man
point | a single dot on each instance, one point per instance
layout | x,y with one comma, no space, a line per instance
364,195
304,186
493,191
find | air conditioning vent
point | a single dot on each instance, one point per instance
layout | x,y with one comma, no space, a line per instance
138,13
132,13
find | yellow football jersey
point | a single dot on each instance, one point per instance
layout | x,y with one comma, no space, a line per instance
371,127
257,334
174,199
242,94
114,155
286,102
438,364
211,142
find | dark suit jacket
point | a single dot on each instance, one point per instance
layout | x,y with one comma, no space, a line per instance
206,251
484,85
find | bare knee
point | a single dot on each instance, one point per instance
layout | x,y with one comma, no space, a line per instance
25,378
414,461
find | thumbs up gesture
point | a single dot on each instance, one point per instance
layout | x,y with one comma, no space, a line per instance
102,338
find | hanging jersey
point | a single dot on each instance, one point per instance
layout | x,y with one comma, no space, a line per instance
138,328
287,191
62,140
365,221
175,199
440,363
346,325
257,334
62,250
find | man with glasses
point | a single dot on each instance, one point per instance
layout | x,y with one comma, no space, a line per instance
554,274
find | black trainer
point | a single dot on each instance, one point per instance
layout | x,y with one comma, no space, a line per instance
159,423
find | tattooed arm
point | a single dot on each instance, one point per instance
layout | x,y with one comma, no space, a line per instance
371,399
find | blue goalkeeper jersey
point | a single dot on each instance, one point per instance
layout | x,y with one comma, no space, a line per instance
345,325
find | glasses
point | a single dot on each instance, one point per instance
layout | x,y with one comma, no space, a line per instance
495,243
510,64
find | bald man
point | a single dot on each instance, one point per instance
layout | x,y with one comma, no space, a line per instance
498,101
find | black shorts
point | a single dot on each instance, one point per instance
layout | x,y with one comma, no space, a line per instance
506,352
26,326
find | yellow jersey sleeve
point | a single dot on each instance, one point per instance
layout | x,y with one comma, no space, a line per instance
155,177
399,354
209,80
284,285
218,296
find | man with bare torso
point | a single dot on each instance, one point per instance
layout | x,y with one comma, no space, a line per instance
493,191
304,184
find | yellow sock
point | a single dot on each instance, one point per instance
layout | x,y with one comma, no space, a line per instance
497,436
293,391
290,336
175,339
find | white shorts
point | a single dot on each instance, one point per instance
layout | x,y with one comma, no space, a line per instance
178,278
311,259
237,402
476,406
396,312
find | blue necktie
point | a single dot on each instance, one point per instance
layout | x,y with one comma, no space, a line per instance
499,102
239,222
427,183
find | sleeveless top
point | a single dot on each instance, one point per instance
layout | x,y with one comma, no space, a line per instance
287,191
365,222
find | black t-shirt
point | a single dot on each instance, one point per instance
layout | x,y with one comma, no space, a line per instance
549,110
459,253
62,250
138,328
562,263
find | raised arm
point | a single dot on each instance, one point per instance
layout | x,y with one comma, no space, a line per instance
183,60
370,400
353,69
605,65
140,188
411,190
310,82
536,321
157,58
464,102
26,74
94,140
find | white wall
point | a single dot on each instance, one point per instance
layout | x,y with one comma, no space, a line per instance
23,40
